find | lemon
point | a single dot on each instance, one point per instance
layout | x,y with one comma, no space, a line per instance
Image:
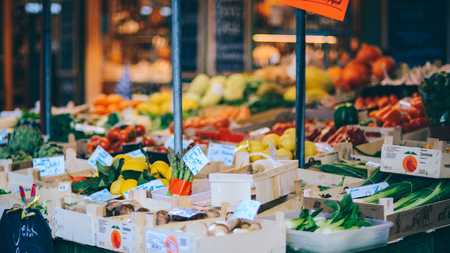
128,185
165,182
137,164
154,172
165,108
290,131
161,167
310,148
157,98
116,185
273,137
168,174
126,158
283,151
267,152
287,142
256,145
254,158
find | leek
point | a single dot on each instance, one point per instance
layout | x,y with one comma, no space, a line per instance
440,192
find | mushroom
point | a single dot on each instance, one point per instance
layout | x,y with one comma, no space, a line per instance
245,225
255,226
142,210
123,210
240,231
212,213
162,217
219,229
110,207
236,224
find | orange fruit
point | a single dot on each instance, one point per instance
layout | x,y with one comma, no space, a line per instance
101,99
114,99
135,103
99,110
124,104
112,107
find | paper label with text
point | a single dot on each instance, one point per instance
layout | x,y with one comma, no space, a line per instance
50,166
246,209
221,153
195,159
156,241
136,153
367,190
152,185
100,155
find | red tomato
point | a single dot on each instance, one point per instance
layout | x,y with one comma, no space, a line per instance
221,123
104,143
113,133
123,136
162,149
91,147
95,140
140,130
131,132
117,147
148,141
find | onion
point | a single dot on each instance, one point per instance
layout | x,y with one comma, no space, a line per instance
377,66
367,53
356,74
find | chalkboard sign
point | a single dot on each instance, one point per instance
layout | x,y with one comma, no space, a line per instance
25,235
417,30
229,35
189,29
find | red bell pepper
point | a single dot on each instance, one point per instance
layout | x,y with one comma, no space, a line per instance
392,116
380,113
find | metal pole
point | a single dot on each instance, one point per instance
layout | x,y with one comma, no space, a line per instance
176,65
45,105
300,49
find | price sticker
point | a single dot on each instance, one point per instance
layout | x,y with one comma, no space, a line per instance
329,8
195,159
367,190
152,185
156,241
64,187
136,153
100,155
221,153
50,166
3,134
183,212
372,164
246,209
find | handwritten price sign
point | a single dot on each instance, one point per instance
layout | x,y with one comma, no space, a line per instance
50,166
195,159
221,153
329,8
100,155
246,209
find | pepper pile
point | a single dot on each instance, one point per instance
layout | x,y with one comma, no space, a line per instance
347,134
377,101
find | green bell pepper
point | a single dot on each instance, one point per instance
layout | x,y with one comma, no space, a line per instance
345,114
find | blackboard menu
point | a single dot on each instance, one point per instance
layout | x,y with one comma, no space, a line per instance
25,235
189,29
229,35
417,30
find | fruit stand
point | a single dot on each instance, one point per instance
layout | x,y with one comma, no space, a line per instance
352,158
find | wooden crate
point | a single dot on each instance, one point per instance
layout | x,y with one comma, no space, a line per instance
212,167
313,176
421,219
26,175
272,238
415,161
233,186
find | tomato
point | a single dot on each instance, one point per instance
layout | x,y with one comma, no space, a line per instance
113,133
162,149
131,132
140,130
91,147
95,140
117,147
123,136
148,141
221,123
104,143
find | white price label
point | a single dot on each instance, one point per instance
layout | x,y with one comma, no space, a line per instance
89,129
221,153
152,185
50,166
367,190
100,155
3,134
246,209
195,159
372,164
156,241
136,153
64,187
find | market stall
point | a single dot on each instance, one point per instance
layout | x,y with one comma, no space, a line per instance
288,158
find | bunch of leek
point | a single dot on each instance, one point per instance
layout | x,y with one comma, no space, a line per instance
438,191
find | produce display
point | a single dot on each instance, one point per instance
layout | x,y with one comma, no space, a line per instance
345,217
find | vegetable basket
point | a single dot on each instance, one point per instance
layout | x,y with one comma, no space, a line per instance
237,184
344,241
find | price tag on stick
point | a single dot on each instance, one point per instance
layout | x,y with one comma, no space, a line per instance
221,153
195,159
246,209
100,155
335,9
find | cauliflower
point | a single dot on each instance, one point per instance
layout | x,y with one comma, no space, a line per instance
199,85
